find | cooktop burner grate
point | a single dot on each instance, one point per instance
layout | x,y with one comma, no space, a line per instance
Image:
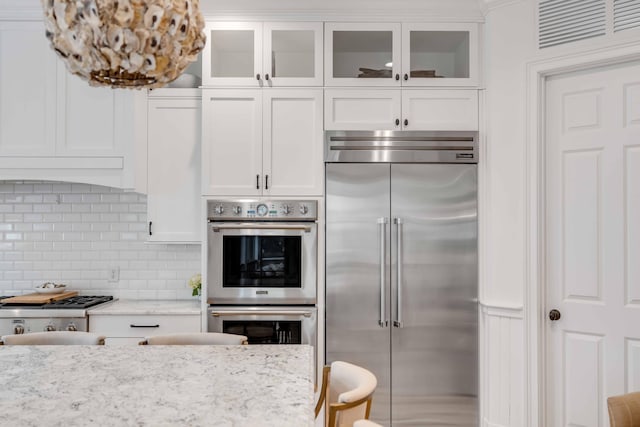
80,301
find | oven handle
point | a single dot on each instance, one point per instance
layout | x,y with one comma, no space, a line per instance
218,227
261,313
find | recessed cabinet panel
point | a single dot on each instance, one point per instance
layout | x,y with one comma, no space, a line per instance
293,141
362,109
173,175
232,139
362,54
440,109
86,117
27,90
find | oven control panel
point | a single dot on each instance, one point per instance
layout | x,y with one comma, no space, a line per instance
262,210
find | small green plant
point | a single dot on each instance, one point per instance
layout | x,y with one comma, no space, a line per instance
196,284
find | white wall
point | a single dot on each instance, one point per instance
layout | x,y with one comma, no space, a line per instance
74,233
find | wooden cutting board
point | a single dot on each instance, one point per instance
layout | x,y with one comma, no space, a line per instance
37,298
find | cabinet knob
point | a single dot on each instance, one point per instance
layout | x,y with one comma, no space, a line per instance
266,76
397,76
257,76
554,315
406,122
397,122
406,76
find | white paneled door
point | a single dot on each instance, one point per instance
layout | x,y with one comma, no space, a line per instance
592,242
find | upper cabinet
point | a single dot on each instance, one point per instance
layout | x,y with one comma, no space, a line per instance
53,125
412,54
262,142
257,54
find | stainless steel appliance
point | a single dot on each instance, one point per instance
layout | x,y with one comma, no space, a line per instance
69,314
266,324
401,270
262,252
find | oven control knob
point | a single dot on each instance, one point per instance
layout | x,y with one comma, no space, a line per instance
72,327
262,209
286,209
18,329
237,210
304,209
50,328
219,210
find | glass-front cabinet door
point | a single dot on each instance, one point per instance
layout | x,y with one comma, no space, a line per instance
442,54
292,54
362,54
233,54
263,54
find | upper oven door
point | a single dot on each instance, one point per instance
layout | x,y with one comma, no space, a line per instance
262,263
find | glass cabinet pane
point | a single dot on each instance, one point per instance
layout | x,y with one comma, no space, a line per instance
232,53
439,54
292,53
362,54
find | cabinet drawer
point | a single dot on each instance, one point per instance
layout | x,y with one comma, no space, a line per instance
143,325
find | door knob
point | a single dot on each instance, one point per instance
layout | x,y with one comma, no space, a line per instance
554,315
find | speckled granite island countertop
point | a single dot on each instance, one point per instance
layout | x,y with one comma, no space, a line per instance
252,386
156,307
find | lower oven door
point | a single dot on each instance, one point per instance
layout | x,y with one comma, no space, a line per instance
266,324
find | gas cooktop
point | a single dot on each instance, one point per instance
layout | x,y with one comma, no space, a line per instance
77,302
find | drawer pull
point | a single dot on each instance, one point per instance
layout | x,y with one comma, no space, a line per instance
144,326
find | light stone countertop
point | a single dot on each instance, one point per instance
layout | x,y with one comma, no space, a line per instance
156,307
222,386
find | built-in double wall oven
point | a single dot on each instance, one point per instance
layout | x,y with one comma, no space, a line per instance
262,270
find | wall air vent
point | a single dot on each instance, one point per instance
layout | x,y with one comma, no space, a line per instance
626,15
566,21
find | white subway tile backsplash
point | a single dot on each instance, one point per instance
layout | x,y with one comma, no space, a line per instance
76,233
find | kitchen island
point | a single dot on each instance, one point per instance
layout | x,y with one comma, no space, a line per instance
268,385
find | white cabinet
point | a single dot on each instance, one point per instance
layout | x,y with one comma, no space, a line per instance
27,90
54,126
409,54
173,166
132,328
406,109
258,142
263,55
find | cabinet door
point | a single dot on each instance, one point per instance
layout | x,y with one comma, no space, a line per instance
440,109
362,54
173,174
89,118
362,109
233,54
293,163
232,142
292,54
27,90
439,54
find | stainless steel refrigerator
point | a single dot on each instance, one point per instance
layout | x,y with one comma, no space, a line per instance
401,270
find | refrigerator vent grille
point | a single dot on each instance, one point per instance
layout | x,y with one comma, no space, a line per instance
566,21
626,15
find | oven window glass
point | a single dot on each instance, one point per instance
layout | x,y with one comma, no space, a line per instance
265,331
262,262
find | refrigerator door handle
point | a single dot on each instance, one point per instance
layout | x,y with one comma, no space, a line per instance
398,322
383,261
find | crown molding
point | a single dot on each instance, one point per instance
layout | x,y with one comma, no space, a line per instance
486,6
